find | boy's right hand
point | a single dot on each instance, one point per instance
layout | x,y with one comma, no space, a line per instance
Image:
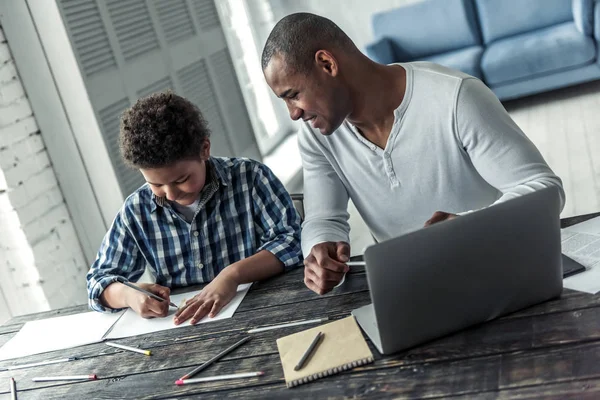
146,306
325,266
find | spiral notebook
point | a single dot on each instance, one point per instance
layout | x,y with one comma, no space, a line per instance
342,347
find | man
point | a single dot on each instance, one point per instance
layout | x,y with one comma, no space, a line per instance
401,141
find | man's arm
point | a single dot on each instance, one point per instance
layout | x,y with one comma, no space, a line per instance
497,147
325,197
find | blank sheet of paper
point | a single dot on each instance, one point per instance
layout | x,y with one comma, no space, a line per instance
58,333
132,324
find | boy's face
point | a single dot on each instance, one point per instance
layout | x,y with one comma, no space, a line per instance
181,182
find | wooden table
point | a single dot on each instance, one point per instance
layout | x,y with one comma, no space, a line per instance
551,350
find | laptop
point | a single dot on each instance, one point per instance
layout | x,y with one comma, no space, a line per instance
462,272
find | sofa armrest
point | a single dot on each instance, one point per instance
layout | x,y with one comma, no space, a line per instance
381,51
597,21
583,16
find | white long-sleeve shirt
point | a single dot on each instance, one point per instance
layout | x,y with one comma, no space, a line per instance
453,147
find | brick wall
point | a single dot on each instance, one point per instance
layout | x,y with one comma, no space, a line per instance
41,262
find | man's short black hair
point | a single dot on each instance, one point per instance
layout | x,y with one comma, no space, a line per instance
160,130
297,37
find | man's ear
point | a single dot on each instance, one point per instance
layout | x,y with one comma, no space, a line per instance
326,62
205,152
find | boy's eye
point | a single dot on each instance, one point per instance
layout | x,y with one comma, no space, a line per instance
182,181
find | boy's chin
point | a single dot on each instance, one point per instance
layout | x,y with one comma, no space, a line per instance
186,201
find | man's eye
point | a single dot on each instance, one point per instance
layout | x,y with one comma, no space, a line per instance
294,97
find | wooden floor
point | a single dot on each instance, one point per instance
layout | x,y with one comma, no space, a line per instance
565,126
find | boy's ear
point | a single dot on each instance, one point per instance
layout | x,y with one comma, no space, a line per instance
205,152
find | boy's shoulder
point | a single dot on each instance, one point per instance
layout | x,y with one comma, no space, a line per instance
231,169
141,200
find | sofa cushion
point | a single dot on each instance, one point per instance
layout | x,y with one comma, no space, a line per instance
583,15
536,53
428,27
465,60
502,18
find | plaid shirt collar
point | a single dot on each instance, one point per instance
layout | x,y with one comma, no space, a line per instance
217,176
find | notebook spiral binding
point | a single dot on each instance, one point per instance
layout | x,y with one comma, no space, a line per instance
331,371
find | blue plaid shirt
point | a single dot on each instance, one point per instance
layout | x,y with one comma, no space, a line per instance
243,209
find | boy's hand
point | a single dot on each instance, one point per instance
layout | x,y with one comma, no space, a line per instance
146,306
209,301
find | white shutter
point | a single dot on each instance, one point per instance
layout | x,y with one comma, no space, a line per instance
131,48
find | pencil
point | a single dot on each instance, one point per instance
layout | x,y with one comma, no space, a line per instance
37,364
219,378
269,327
128,348
139,289
13,389
355,263
311,349
90,377
215,358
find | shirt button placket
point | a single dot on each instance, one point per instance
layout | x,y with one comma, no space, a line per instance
196,250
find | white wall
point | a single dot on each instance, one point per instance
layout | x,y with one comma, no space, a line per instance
352,16
41,262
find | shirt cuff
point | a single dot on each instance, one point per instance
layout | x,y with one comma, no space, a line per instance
465,212
309,242
96,292
288,253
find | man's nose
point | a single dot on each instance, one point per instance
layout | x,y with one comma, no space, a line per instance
295,112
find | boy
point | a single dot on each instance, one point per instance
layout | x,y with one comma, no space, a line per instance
198,218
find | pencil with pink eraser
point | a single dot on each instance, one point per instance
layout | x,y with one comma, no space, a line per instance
180,382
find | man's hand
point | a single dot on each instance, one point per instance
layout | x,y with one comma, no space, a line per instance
146,306
209,301
325,266
439,216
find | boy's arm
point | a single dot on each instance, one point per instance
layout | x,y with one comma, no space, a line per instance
118,256
277,225
276,220
217,294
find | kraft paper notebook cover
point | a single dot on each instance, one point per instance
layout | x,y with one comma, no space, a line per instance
342,347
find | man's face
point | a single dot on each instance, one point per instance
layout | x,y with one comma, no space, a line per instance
181,182
316,97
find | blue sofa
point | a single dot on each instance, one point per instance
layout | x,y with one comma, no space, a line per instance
517,47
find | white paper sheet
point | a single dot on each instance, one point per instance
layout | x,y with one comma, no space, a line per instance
132,324
58,333
581,242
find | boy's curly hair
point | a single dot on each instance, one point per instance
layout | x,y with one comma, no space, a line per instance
160,130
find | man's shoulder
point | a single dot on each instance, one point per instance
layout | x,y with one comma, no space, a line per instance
436,71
